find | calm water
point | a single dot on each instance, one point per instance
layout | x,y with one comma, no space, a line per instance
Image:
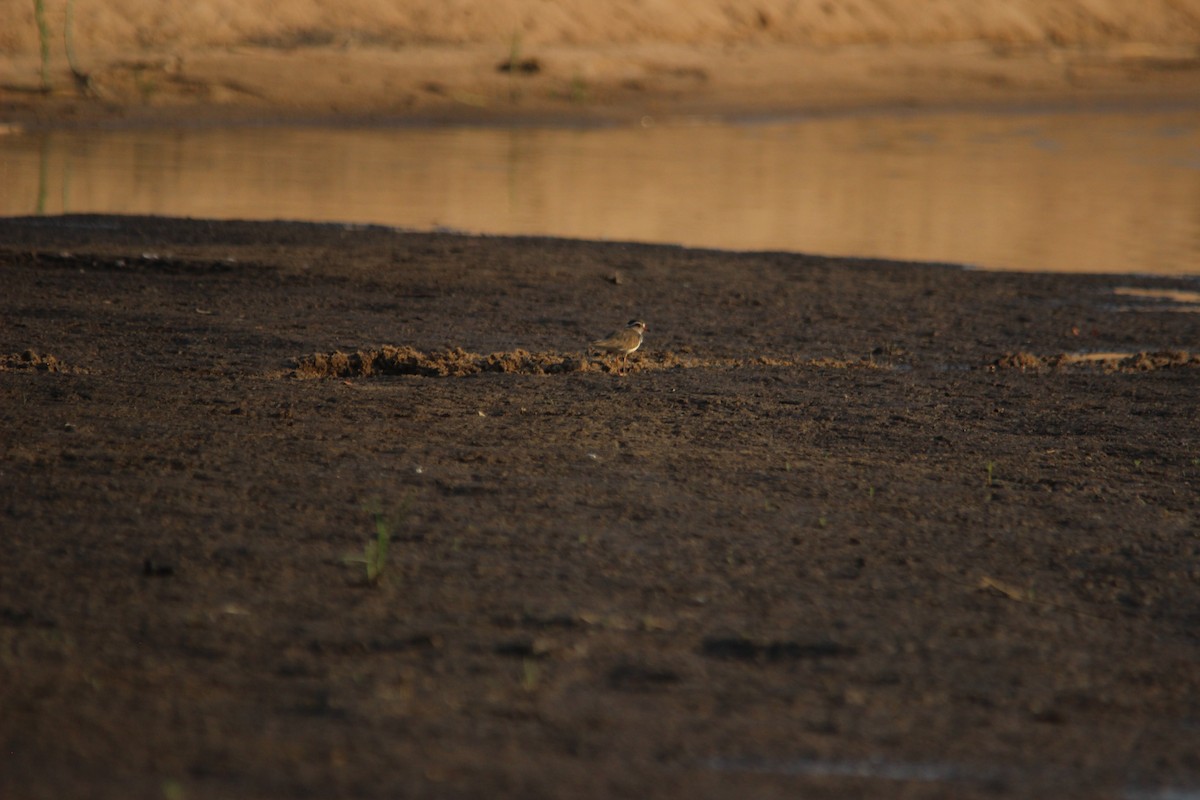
1097,192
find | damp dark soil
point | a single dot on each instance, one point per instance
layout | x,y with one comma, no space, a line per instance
299,511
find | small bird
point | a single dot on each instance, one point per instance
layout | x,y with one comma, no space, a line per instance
622,342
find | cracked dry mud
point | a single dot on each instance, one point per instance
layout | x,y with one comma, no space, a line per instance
845,529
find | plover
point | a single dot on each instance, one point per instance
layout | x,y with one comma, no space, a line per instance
622,342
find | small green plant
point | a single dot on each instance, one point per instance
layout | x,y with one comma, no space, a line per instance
83,80
514,53
69,35
531,675
514,67
147,84
39,15
579,89
991,470
375,553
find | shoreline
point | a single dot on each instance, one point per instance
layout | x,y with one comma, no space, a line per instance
587,86
201,118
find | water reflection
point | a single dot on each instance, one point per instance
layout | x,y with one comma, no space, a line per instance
1104,192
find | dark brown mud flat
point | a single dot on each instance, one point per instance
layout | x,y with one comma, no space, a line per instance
845,529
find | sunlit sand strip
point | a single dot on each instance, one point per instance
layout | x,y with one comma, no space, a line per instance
1092,358
1178,300
1139,362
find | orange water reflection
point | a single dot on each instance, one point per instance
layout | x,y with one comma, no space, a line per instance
1096,192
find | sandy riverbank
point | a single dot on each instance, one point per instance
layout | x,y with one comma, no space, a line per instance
523,60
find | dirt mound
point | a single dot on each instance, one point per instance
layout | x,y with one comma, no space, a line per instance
33,361
1021,360
1109,362
455,362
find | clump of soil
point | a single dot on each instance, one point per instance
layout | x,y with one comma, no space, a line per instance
1021,360
30,359
1167,359
455,362
1109,362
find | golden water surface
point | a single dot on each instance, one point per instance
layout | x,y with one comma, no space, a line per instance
1106,191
